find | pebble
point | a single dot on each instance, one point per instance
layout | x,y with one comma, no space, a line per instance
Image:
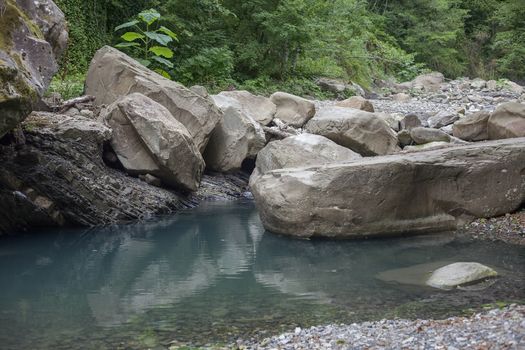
494,329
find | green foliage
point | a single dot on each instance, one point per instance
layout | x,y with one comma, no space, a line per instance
68,87
287,44
150,41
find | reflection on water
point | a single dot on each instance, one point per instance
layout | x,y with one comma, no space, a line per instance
211,275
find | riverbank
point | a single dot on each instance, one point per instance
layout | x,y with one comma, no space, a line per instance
509,229
494,329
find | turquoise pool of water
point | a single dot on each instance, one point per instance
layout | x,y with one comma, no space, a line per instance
212,274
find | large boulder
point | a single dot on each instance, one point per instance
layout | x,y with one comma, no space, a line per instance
357,102
301,151
148,140
259,108
236,138
507,121
473,127
112,74
428,82
27,61
293,110
423,192
459,274
362,132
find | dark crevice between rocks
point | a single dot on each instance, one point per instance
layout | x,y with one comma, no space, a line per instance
110,157
248,165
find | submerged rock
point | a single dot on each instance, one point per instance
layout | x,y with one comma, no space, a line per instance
362,132
112,74
406,193
459,274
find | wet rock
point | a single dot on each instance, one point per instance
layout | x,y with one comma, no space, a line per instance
458,274
358,198
148,140
357,102
293,110
112,75
507,121
352,128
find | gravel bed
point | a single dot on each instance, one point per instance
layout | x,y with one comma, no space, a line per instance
509,229
495,329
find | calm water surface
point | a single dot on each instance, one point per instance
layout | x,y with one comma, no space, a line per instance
212,274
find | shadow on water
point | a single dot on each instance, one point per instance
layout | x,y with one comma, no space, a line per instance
212,274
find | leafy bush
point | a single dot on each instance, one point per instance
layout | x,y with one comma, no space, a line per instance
150,41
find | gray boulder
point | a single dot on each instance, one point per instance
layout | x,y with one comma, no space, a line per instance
362,132
258,108
427,135
112,75
410,121
428,82
507,121
357,102
236,138
473,127
148,140
27,61
459,274
293,110
442,119
437,191
301,151
401,97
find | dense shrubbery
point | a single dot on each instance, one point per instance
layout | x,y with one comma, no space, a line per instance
264,45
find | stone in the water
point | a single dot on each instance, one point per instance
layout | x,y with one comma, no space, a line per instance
459,274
